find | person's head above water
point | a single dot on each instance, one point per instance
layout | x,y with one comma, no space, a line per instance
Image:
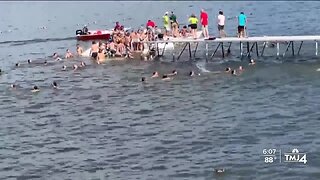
174,72
252,62
54,84
17,64
191,73
35,89
221,12
164,76
143,79
29,61
228,69
13,86
242,13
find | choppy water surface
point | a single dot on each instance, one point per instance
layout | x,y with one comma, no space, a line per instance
103,123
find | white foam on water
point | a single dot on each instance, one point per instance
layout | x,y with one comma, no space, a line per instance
86,53
201,66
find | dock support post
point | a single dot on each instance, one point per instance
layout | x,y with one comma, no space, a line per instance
185,46
189,45
284,53
164,48
264,46
255,44
248,50
158,51
229,51
278,49
215,51
300,47
173,56
222,50
207,52
194,53
241,49
316,48
292,48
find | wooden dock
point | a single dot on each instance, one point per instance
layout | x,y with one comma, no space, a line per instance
250,42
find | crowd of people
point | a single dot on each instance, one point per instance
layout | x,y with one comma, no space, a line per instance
171,24
124,42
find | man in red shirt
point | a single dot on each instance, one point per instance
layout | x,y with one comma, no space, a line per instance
150,24
204,23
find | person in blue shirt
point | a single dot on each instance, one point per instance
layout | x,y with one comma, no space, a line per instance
242,21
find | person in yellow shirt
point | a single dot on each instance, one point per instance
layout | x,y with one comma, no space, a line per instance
193,20
166,22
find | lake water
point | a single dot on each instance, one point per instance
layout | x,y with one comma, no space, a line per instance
103,123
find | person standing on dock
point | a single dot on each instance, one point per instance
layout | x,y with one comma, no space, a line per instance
166,23
221,22
242,21
193,25
204,23
174,25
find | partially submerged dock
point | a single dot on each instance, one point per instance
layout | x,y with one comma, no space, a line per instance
247,45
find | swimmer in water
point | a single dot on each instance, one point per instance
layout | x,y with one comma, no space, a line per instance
228,69
165,77
55,85
13,86
64,67
75,67
143,79
219,171
55,55
234,72
29,61
155,74
0,71
82,64
45,62
191,73
68,54
252,62
35,89
174,72
17,64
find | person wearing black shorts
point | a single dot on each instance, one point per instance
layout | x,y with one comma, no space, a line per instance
193,25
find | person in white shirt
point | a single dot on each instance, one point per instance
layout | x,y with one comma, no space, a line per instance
221,23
